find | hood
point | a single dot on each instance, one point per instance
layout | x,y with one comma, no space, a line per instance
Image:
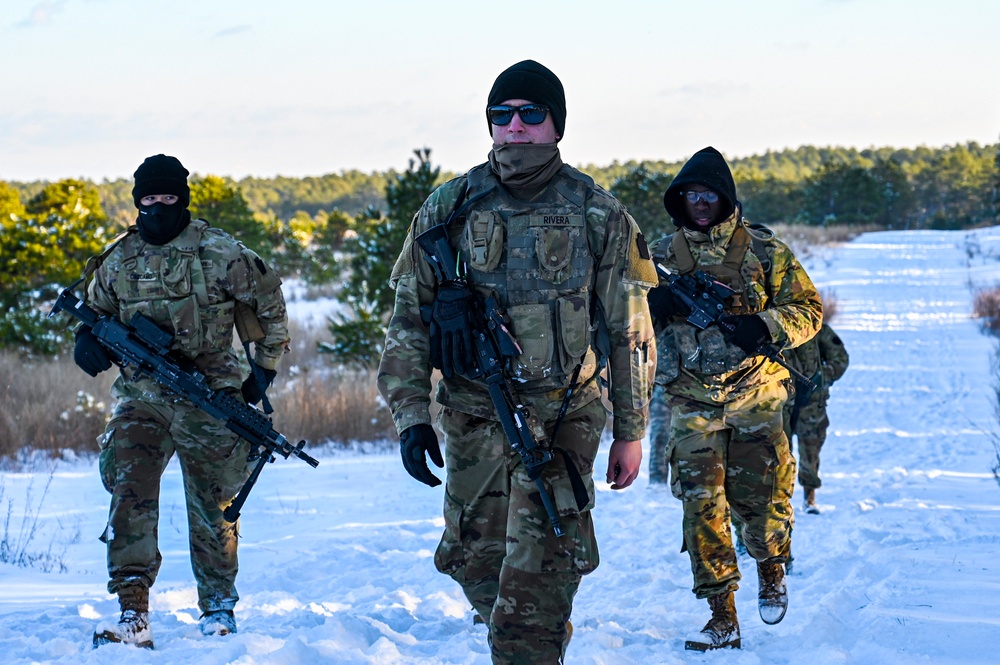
706,167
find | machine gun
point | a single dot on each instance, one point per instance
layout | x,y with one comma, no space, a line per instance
706,297
146,347
494,344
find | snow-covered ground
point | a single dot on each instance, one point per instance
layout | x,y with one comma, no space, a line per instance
901,567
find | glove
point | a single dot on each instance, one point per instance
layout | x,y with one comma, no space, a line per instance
748,331
252,390
664,305
414,442
451,349
89,354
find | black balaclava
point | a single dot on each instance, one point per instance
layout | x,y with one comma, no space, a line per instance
706,167
160,223
533,82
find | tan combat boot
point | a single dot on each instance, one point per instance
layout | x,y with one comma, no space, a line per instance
810,505
723,630
133,624
772,596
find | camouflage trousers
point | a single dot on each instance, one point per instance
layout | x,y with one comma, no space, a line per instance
733,456
135,449
498,543
659,437
810,432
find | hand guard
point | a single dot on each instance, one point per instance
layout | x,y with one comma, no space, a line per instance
89,354
664,305
413,444
749,332
451,347
252,390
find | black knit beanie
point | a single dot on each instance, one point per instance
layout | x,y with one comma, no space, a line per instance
161,174
533,82
706,167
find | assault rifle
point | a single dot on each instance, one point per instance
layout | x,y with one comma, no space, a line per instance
803,394
706,297
494,344
144,345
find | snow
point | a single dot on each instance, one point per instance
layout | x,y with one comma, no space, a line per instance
337,566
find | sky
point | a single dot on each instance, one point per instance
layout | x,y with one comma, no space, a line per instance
308,87
336,563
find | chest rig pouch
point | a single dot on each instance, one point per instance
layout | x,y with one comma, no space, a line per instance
707,351
167,284
536,256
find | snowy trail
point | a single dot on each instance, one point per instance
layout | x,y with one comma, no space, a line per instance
336,562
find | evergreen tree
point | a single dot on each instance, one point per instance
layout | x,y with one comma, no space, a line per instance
358,339
641,191
43,247
223,206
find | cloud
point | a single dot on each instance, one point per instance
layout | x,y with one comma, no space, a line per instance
235,30
42,13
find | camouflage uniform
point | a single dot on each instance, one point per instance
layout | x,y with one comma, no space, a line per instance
190,287
727,444
567,263
659,437
824,359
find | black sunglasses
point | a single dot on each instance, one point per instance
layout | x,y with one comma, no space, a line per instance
531,114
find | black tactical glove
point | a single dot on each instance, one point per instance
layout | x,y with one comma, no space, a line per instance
748,331
664,305
252,389
451,349
89,354
413,443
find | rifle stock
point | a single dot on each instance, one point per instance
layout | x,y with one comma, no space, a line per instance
145,346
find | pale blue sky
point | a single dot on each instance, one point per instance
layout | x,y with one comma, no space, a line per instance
306,87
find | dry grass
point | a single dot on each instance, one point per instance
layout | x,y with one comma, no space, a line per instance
803,238
829,298
49,406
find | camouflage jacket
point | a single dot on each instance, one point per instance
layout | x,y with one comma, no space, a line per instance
823,358
701,364
565,265
190,287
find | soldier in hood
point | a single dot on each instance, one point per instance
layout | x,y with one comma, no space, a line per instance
727,447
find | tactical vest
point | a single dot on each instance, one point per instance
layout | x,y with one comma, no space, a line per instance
681,345
167,283
536,257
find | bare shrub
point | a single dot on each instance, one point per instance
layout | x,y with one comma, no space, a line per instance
17,546
320,402
50,406
829,298
986,308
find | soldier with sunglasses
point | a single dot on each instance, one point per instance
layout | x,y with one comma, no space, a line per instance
570,268
727,447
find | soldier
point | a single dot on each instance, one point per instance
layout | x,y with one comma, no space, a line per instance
189,278
571,269
727,445
824,360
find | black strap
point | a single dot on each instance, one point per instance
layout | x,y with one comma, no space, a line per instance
576,480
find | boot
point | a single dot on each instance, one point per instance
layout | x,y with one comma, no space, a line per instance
133,624
723,630
772,596
811,507
217,622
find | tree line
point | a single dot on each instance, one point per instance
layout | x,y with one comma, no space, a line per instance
346,229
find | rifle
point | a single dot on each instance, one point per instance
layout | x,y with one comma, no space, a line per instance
707,299
494,343
803,394
146,346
